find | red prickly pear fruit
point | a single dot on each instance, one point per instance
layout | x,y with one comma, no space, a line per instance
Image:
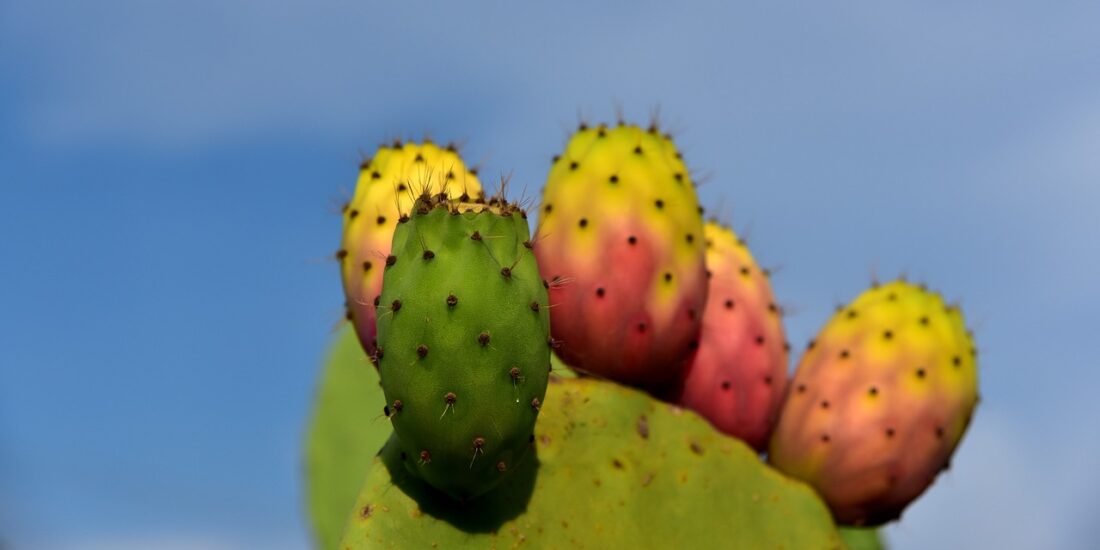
388,185
879,403
620,243
737,377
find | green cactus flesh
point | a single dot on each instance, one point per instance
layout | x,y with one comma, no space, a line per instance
463,331
861,538
614,468
347,429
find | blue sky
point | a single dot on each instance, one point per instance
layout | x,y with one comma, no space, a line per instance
168,173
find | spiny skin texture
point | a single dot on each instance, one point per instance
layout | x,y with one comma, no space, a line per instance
615,468
388,184
463,337
738,376
620,240
879,402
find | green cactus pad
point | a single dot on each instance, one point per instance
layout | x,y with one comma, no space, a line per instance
614,469
862,538
347,430
464,338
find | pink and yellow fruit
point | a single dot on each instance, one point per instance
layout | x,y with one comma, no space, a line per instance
620,240
737,377
388,185
879,402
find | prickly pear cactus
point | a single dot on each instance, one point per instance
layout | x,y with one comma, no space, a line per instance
738,375
880,400
614,469
388,184
346,431
463,333
620,240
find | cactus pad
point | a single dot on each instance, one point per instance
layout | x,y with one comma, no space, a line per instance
614,469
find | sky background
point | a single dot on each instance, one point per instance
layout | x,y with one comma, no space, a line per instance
170,174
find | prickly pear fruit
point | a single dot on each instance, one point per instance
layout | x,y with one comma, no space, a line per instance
620,240
879,402
388,184
463,334
738,375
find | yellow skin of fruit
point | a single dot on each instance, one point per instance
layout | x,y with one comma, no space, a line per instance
388,185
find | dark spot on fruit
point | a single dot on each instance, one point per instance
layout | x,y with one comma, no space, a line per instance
825,404
643,427
528,244
613,178
689,238
375,175
679,176
341,254
386,410
852,314
548,208
696,448
425,456
573,165
535,405
957,361
729,303
745,271
381,220
924,321
398,405
888,335
920,373
768,379
824,438
668,277
600,292
402,187
889,432
506,272
637,149
534,306
422,351
844,354
760,340
583,222
396,305
353,214
802,388
501,467
873,391
476,236
390,260
452,300
428,254
632,240
483,339
725,385
659,203
939,432
450,398
366,511
479,442
641,327
366,266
